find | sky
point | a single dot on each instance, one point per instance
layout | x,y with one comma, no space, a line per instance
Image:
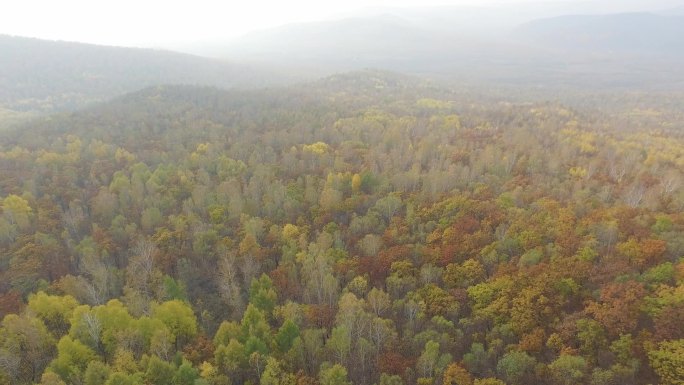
149,22
145,23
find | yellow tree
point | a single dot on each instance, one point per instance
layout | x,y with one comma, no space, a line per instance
668,362
456,375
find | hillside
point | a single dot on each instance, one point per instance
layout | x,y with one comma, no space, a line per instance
581,52
367,228
43,76
637,33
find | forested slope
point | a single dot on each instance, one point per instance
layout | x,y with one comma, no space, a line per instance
46,76
367,228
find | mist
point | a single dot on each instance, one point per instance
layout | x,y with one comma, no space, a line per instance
411,192
584,43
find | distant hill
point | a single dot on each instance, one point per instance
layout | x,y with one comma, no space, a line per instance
383,41
40,75
642,33
677,11
162,114
386,41
529,55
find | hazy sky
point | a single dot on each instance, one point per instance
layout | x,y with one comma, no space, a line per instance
145,22
156,22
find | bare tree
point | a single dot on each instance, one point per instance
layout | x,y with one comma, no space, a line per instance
617,171
73,218
141,275
93,327
101,278
9,363
670,182
635,195
379,301
228,283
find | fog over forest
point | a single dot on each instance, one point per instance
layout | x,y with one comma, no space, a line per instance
372,193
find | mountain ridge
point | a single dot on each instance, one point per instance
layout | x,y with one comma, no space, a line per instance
633,32
44,75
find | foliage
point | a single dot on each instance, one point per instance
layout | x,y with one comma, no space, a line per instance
338,233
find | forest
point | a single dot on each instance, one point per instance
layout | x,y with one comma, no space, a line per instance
43,76
366,228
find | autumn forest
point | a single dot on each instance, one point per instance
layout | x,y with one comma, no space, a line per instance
367,228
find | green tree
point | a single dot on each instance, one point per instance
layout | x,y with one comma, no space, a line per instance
179,318
232,357
516,368
333,375
118,378
17,211
274,374
72,359
668,362
26,347
101,326
254,324
386,379
340,343
159,372
591,336
262,294
174,289
286,335
186,374
96,373
427,362
568,370
50,378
